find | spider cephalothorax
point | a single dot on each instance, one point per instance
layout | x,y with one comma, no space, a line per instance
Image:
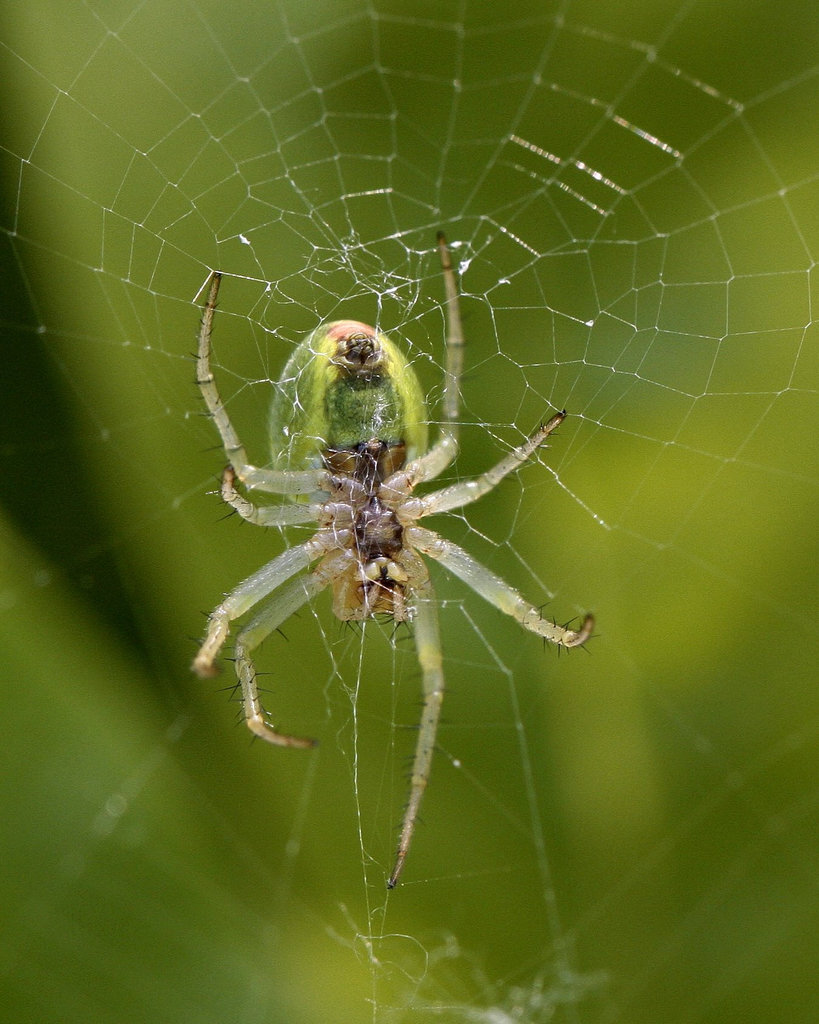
349,439
364,511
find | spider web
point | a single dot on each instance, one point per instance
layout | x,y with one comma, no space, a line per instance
631,195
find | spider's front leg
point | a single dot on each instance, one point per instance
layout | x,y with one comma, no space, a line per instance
234,449
268,480
264,515
467,491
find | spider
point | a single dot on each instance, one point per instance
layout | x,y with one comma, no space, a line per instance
349,437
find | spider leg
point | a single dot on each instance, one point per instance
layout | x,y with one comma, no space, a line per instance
251,591
467,491
428,646
270,515
288,600
443,452
269,480
454,338
495,590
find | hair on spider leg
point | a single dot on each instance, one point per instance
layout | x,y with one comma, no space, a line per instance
442,721
351,626
359,626
386,621
231,688
216,666
257,675
402,632
237,697
586,627
234,690
229,512
584,624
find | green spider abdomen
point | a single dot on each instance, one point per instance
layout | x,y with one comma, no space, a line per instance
344,386
360,408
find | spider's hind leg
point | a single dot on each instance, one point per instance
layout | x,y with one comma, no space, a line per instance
428,645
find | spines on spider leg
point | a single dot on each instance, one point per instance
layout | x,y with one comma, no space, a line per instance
533,620
494,589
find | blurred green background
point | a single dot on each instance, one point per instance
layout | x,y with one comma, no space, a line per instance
625,834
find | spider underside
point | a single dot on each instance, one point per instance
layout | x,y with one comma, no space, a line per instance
360,492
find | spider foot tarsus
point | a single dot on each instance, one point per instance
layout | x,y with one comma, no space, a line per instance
576,638
552,423
204,664
205,667
259,726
